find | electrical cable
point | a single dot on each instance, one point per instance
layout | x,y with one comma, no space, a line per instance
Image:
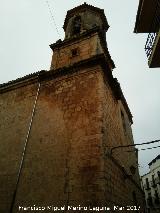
149,148
139,144
50,11
144,149
24,148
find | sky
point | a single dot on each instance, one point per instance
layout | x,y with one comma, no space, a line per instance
27,30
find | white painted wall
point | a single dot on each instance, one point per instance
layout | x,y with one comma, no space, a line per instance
154,169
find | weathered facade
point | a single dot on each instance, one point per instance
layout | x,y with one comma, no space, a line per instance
58,128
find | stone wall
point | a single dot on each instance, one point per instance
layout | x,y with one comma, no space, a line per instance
120,182
62,163
67,160
15,112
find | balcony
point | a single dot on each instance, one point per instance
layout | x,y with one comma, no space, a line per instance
148,21
152,46
152,49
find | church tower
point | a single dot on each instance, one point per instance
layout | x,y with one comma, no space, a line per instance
60,127
85,37
97,115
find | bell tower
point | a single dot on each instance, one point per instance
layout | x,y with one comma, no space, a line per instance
85,29
95,115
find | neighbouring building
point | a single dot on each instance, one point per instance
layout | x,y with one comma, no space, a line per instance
58,127
148,21
151,186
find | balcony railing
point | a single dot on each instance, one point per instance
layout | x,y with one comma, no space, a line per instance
150,43
155,26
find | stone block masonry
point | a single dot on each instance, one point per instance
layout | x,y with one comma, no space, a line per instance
65,161
80,115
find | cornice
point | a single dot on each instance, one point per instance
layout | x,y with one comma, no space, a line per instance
20,82
59,44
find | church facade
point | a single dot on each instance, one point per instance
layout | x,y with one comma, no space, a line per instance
58,128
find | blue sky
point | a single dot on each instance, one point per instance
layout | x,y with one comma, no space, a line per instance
27,29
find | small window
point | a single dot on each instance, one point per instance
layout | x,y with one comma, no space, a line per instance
123,122
134,198
76,25
74,52
133,169
147,183
153,180
149,200
156,194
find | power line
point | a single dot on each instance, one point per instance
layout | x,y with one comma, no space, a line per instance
149,148
50,11
144,149
131,145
